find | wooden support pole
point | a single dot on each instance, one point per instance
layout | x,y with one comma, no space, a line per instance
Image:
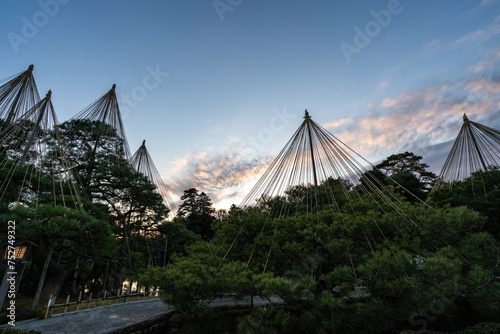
75,274
308,120
20,276
52,306
104,298
138,290
67,303
128,292
48,307
12,112
37,125
90,300
118,295
476,146
105,279
165,251
79,301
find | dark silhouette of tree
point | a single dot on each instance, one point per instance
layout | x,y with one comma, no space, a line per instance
408,162
405,172
196,213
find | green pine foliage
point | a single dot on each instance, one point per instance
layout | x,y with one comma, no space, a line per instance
354,266
428,260
105,221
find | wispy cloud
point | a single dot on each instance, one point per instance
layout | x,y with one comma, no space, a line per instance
215,129
482,35
488,2
382,85
481,66
338,122
482,5
474,38
222,175
422,120
432,47
425,121
491,58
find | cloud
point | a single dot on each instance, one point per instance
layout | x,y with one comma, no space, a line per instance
481,6
480,66
475,38
432,47
487,3
222,175
338,122
215,129
481,36
382,85
180,164
424,121
491,58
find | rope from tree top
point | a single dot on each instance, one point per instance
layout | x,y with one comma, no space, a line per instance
107,111
275,199
143,163
313,160
18,94
312,157
31,153
476,148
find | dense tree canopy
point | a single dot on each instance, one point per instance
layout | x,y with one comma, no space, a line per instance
98,228
354,265
479,192
341,257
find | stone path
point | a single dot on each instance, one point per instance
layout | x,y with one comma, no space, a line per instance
99,320
102,320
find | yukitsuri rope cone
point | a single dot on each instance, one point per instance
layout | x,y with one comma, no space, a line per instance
18,94
143,163
477,148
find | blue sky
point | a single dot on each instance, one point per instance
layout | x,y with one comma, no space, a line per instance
233,77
